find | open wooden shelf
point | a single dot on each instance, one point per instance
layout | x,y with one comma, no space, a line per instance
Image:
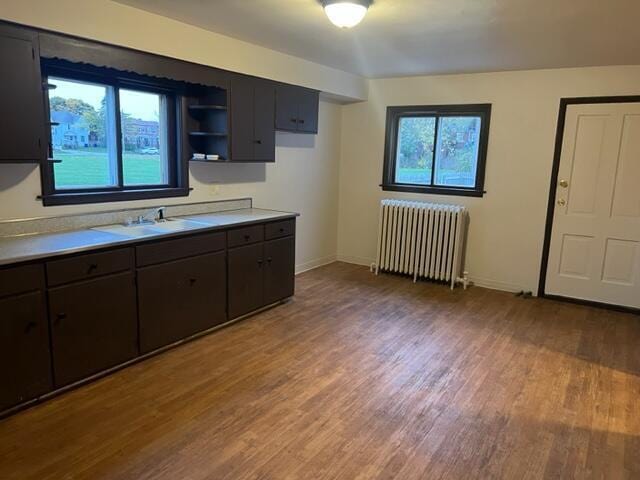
204,160
208,134
207,107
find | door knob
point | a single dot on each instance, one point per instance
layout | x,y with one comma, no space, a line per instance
562,202
564,183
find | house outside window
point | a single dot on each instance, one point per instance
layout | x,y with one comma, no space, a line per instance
110,139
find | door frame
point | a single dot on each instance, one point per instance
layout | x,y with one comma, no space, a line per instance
564,103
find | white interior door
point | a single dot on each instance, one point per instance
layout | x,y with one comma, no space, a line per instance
595,240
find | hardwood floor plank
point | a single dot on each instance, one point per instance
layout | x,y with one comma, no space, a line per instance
359,377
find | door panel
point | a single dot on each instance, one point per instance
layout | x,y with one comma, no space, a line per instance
25,362
575,257
246,281
286,108
242,122
595,234
21,96
181,298
265,132
626,196
279,269
94,326
586,164
308,111
620,262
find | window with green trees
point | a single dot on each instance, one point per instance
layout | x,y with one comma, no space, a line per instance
112,137
436,149
84,136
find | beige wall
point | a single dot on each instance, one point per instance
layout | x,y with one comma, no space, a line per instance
130,27
507,225
303,179
340,169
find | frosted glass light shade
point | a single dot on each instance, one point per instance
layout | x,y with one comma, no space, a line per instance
345,14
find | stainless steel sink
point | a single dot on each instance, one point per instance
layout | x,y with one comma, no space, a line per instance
177,225
147,230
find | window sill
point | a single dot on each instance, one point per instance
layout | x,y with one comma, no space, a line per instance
461,192
117,196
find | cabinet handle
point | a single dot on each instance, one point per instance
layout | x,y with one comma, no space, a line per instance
192,281
281,230
269,260
60,317
260,263
30,326
259,142
93,267
300,120
247,237
294,120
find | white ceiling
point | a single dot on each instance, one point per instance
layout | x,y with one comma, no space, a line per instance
412,37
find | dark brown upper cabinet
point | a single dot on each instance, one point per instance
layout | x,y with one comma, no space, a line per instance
22,139
296,109
252,114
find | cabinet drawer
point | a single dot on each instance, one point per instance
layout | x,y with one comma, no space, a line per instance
279,229
246,235
21,279
168,250
88,266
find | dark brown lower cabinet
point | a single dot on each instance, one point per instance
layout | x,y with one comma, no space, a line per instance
180,298
25,362
103,311
246,282
279,272
93,326
260,274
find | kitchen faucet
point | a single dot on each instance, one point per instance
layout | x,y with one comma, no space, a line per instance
156,214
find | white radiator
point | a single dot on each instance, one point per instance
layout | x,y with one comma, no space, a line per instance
425,240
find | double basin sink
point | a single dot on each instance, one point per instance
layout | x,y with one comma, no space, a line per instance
170,225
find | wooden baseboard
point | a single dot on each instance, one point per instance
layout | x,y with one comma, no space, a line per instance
319,262
591,303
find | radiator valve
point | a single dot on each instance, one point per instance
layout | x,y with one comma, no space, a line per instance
464,280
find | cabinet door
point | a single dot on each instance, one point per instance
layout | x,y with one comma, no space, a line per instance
308,111
279,273
245,279
94,326
242,121
264,129
181,298
21,96
286,108
25,365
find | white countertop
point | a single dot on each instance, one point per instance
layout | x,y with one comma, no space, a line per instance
23,248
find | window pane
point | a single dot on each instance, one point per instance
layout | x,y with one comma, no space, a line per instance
82,135
144,138
414,154
457,153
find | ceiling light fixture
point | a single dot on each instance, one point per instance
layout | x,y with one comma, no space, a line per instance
346,13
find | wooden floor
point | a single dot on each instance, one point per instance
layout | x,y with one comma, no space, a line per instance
359,377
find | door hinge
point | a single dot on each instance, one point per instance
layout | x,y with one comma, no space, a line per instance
33,53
